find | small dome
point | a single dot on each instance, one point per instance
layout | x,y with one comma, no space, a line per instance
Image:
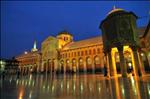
64,32
114,10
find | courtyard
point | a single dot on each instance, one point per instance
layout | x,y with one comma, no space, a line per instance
85,86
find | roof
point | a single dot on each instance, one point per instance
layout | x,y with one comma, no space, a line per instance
146,29
64,32
141,31
84,43
29,54
115,10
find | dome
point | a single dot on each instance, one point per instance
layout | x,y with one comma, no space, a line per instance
115,10
64,32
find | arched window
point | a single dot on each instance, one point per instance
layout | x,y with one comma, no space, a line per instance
86,52
94,52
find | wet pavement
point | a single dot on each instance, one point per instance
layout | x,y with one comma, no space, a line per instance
74,87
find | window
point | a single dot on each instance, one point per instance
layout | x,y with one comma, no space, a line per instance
98,51
68,54
94,52
85,52
78,53
74,54
82,53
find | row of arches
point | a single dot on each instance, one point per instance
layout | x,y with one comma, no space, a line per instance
81,64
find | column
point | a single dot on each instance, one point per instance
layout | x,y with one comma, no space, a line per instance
136,61
77,66
122,62
84,64
93,65
107,64
64,66
110,64
141,63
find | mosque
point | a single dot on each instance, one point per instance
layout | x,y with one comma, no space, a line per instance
120,50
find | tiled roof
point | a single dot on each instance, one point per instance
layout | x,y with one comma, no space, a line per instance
29,54
84,43
141,31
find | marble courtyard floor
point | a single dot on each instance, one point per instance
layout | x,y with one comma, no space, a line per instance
74,87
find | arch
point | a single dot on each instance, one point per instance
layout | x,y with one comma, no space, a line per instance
44,67
128,60
52,65
61,66
144,59
89,64
49,66
81,65
74,65
97,64
67,65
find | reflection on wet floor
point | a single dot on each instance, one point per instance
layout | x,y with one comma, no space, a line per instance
74,87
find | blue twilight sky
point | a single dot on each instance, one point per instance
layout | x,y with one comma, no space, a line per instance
22,22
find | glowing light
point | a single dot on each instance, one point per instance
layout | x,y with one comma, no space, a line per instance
53,88
25,52
123,91
130,64
30,95
67,85
61,85
132,80
142,54
74,87
43,86
21,94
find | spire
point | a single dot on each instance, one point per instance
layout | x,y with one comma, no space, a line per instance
114,7
34,47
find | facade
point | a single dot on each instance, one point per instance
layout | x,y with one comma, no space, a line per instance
29,61
49,50
145,47
117,51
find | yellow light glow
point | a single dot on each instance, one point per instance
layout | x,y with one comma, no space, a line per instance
113,51
142,54
130,64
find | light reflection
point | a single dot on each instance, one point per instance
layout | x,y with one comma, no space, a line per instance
21,92
116,87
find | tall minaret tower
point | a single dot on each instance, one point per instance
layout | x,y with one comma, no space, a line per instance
34,47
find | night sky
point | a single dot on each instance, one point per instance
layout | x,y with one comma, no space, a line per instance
24,22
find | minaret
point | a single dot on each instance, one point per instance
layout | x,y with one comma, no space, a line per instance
114,7
34,47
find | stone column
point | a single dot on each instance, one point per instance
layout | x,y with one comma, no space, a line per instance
122,62
64,66
136,61
107,64
84,64
141,63
93,65
110,64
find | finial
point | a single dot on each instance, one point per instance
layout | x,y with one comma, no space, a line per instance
114,7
